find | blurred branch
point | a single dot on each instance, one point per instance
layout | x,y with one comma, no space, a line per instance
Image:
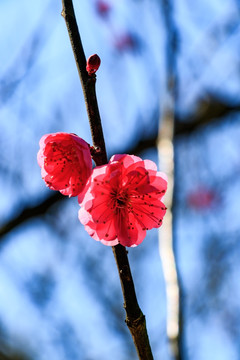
27,56
29,213
222,29
211,108
8,352
134,317
167,164
15,356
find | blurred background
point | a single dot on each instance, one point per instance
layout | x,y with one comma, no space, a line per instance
169,79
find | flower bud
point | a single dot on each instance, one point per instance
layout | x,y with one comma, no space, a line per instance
93,63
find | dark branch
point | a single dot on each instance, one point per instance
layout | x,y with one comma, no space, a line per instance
135,319
87,81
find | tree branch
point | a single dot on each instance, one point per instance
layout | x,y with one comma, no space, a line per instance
30,212
88,82
135,319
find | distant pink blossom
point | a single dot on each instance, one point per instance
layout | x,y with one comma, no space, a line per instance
65,162
122,200
103,8
201,198
126,42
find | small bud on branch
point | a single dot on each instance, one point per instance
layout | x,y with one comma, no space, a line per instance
93,63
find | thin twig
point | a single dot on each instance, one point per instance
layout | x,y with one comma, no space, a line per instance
88,82
134,316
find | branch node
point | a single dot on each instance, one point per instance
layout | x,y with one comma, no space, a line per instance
65,13
125,273
135,323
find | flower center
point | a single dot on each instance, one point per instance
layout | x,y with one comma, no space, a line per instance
120,198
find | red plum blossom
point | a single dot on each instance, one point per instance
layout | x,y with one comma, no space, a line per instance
122,200
65,162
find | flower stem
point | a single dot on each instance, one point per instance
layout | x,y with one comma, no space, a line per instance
134,317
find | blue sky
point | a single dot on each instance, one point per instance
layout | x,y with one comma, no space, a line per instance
41,93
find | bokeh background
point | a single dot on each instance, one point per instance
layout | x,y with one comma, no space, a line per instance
162,60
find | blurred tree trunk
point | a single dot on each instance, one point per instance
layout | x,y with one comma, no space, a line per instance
167,164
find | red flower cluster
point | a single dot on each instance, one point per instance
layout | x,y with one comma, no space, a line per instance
65,162
122,200
119,201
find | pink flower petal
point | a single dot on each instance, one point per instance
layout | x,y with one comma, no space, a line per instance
130,232
150,165
125,159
